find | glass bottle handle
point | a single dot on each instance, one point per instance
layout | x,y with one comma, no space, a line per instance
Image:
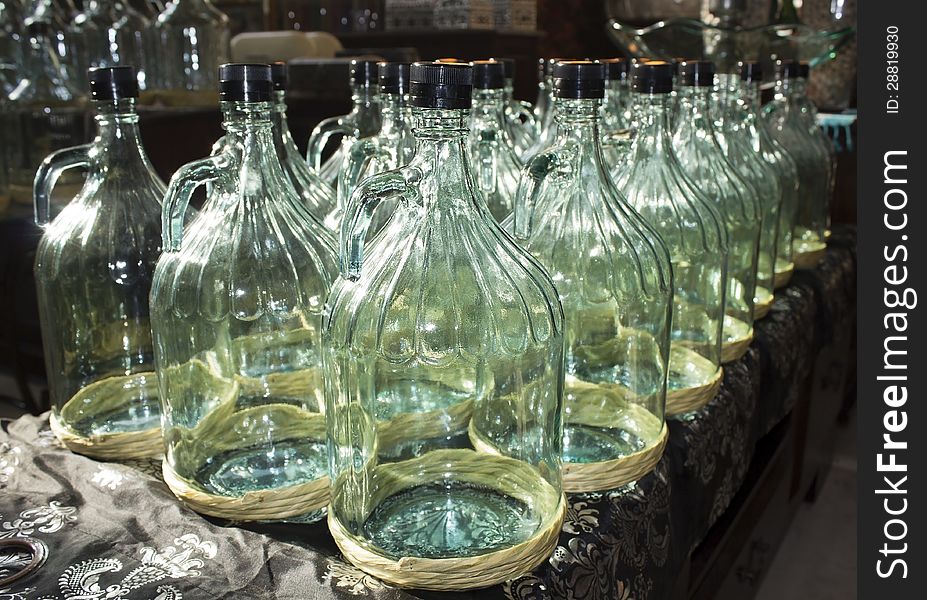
319,139
49,171
529,186
356,163
526,111
177,198
486,166
400,184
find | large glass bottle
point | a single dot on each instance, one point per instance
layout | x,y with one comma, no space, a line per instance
192,38
616,117
736,132
363,121
44,113
544,110
317,195
519,115
784,120
93,273
775,155
655,184
615,282
236,312
445,336
696,144
109,33
389,149
809,112
496,167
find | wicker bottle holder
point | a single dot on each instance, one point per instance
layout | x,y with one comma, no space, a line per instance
105,396
226,428
511,477
736,341
807,255
763,302
784,272
688,399
603,406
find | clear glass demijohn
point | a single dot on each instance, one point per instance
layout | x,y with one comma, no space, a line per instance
790,127
737,133
363,121
318,196
656,185
93,272
615,282
109,33
236,305
47,113
444,358
782,164
192,40
389,149
701,155
519,115
809,112
495,163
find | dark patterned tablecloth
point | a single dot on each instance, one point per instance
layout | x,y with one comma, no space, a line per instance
115,531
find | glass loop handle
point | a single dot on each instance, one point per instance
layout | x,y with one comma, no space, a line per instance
486,165
529,187
49,171
356,164
319,139
400,184
526,114
180,190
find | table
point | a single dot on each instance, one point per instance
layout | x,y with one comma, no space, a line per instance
115,530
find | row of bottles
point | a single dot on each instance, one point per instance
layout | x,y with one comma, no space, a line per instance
438,346
175,45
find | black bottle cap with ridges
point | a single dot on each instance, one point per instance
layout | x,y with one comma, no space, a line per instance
786,68
616,69
394,77
508,64
579,79
488,75
245,82
652,77
698,73
440,85
280,74
364,72
113,83
751,71
804,70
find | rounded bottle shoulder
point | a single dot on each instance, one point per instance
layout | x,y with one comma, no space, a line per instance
438,286
246,261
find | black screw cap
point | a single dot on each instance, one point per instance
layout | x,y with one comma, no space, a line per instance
508,65
394,77
786,69
113,83
280,75
652,77
616,69
440,85
698,73
488,74
579,79
750,71
364,72
245,82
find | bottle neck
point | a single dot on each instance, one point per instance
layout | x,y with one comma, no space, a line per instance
365,97
118,137
652,114
787,88
578,120
440,153
696,101
393,106
489,108
509,89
